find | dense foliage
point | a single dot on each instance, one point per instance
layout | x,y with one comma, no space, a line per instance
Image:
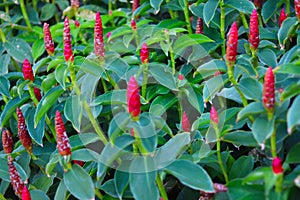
150,99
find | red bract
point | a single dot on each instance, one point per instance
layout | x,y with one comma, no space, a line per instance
135,5
144,54
14,175
297,8
199,27
258,3
98,37
48,42
75,3
282,17
214,117
277,166
133,25
25,194
185,123
27,71
67,42
23,132
254,31
269,90
63,144
37,93
232,44
133,98
77,24
7,141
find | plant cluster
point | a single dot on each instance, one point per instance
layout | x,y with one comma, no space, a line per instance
150,99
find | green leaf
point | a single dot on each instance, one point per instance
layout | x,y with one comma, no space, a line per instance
52,164
163,75
289,68
38,48
252,109
73,111
287,28
267,57
111,98
162,103
142,173
10,108
38,194
171,150
186,171
61,191
4,62
18,49
243,6
156,5
4,86
268,9
118,66
121,182
42,182
293,118
123,30
241,167
212,66
251,88
209,10
118,125
85,155
79,183
185,41
83,139
90,66
289,92
195,98
293,155
4,173
46,103
61,73
239,191
47,11
237,138
213,85
262,128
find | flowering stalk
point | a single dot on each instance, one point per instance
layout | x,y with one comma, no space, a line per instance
185,123
7,141
199,26
25,193
25,15
135,5
133,99
222,26
48,42
144,54
98,38
254,38
231,50
23,132
187,17
269,92
297,8
67,42
27,70
282,17
14,175
278,171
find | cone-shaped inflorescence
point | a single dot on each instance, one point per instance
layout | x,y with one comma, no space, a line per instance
48,41
7,141
25,193
27,70
23,132
269,91
133,98
77,23
98,37
67,42
254,31
185,123
135,5
232,44
133,25
14,175
297,8
144,54
214,117
282,17
199,27
277,166
37,93
63,144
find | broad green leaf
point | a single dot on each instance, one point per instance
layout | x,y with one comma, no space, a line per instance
61,73
52,164
111,98
73,111
195,98
92,67
293,118
4,173
42,182
118,125
10,108
288,26
118,66
61,191
123,30
5,16
213,85
289,55
46,103
267,57
83,139
197,10
47,11
237,138
251,88
4,62
289,92
239,191
230,93
268,10
4,86
38,194
36,133
18,49
209,10
40,63
243,6
156,5
79,183
185,41
85,155
163,75
241,167
186,171
38,48
162,103
262,128
171,150
252,109
212,66
289,68
293,155
121,182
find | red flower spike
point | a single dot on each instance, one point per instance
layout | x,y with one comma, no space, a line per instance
23,132
67,42
232,44
185,123
75,4
258,3
133,98
98,37
282,17
133,25
14,175
277,166
37,93
77,23
7,141
135,5
27,70
25,193
297,8
254,31
214,117
269,91
48,42
199,27
63,144
144,54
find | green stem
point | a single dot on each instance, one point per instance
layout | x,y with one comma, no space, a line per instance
161,187
244,20
2,36
6,6
98,194
111,80
187,17
254,61
172,57
145,80
288,7
172,14
220,160
104,85
222,27
20,27
273,143
24,12
34,3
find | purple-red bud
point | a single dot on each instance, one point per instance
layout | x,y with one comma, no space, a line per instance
27,70
48,42
133,98
77,23
37,93
269,90
254,30
7,141
23,132
144,54
63,144
297,8
282,17
199,27
232,44
277,166
135,5
25,193
98,37
185,123
214,117
133,25
258,3
14,175
67,42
